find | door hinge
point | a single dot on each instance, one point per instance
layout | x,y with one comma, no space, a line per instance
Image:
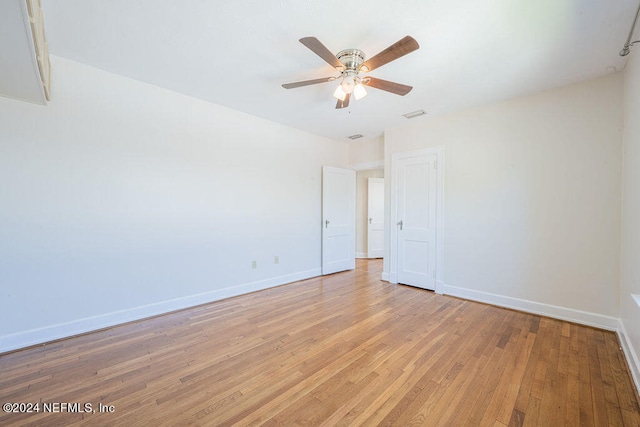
434,275
435,164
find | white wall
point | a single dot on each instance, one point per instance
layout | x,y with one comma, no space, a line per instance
630,265
362,208
120,200
532,199
367,154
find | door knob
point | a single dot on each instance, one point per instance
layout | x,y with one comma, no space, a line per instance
326,223
400,224
370,219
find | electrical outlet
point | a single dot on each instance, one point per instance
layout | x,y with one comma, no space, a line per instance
254,264
276,259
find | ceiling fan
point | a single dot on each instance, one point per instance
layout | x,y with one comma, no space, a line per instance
351,64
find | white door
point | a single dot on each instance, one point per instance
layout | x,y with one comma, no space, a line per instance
338,219
375,218
416,219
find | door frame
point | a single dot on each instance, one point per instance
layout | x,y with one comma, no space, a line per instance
393,217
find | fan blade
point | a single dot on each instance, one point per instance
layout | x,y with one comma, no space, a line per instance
307,82
393,52
343,104
393,87
320,50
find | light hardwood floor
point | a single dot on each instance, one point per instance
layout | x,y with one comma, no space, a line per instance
345,349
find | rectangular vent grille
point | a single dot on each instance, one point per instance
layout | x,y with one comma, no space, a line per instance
413,114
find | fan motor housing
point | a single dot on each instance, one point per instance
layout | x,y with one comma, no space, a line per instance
351,58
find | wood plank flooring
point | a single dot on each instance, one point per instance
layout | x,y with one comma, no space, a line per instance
346,349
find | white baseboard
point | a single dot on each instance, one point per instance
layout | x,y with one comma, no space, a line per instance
385,276
63,330
563,313
630,355
363,255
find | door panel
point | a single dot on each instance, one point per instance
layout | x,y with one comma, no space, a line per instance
416,213
416,195
338,219
375,218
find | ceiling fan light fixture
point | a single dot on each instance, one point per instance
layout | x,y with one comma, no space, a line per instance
348,84
359,91
339,93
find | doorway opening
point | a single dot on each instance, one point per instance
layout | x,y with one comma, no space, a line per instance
370,213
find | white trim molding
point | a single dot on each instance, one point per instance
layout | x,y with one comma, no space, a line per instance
629,354
89,324
562,313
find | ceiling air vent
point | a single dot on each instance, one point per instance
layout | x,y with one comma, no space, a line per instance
356,136
415,114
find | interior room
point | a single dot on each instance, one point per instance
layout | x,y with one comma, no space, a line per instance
192,191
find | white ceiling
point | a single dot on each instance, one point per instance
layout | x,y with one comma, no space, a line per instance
238,53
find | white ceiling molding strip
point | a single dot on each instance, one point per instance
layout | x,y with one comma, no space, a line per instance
36,19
